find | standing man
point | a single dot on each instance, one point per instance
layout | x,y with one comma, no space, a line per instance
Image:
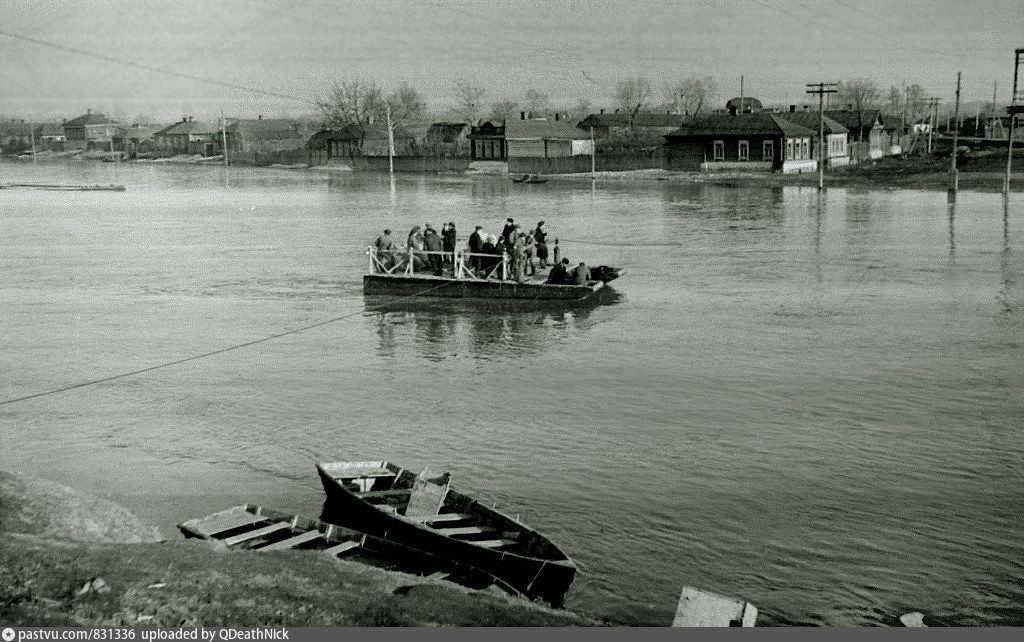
448,238
540,238
385,247
476,246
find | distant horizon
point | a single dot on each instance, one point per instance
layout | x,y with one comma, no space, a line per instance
202,58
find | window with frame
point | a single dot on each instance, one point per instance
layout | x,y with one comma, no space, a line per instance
789,148
767,150
718,152
743,153
805,148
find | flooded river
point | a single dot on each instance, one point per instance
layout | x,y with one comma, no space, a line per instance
812,403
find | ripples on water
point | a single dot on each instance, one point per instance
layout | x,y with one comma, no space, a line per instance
811,403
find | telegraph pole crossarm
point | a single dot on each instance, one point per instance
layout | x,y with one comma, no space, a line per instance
822,88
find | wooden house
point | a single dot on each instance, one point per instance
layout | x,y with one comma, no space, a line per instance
867,133
375,141
836,136
545,138
51,137
487,142
263,135
89,131
744,105
625,129
15,136
741,142
190,137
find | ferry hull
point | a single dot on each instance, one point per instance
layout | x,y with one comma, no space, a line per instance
435,286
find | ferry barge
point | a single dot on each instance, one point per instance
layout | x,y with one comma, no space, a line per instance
469,275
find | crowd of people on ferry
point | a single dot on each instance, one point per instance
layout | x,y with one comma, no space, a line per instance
526,253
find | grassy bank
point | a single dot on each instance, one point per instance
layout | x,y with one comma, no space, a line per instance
58,541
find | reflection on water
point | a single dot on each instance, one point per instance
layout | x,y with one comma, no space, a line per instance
439,329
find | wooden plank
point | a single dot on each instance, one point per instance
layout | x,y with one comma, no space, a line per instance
446,517
463,530
495,543
440,575
344,547
259,532
225,521
426,497
699,608
292,542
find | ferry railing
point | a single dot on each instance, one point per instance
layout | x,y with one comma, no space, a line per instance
403,261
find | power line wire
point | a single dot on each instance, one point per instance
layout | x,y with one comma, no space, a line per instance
212,353
145,67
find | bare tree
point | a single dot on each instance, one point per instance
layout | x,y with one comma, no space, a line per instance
894,100
631,95
692,93
536,101
581,109
504,110
406,105
354,101
862,93
360,102
469,100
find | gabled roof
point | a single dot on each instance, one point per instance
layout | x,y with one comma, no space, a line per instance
809,120
543,129
740,124
643,119
264,128
51,129
89,119
854,119
190,127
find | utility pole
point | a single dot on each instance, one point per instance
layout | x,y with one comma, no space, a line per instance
821,89
224,136
32,133
933,108
906,99
954,181
1014,109
593,159
740,110
391,141
995,86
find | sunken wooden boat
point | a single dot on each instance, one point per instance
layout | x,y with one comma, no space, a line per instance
64,188
470,276
424,512
251,527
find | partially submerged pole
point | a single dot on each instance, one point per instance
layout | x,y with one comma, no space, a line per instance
1014,108
954,181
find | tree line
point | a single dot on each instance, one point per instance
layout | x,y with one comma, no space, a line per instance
362,101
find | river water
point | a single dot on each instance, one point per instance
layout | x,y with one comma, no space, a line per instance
812,403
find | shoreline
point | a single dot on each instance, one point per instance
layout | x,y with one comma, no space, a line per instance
74,559
982,173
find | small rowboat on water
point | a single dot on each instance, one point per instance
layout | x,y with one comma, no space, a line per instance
425,513
529,178
251,527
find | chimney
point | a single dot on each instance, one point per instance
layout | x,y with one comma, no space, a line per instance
806,108
602,110
522,115
732,110
184,119
260,117
556,116
792,108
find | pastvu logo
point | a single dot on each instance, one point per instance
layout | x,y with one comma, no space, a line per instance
8,634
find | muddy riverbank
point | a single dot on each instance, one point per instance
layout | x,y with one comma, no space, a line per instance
72,559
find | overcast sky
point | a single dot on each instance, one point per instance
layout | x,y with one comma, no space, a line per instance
570,49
